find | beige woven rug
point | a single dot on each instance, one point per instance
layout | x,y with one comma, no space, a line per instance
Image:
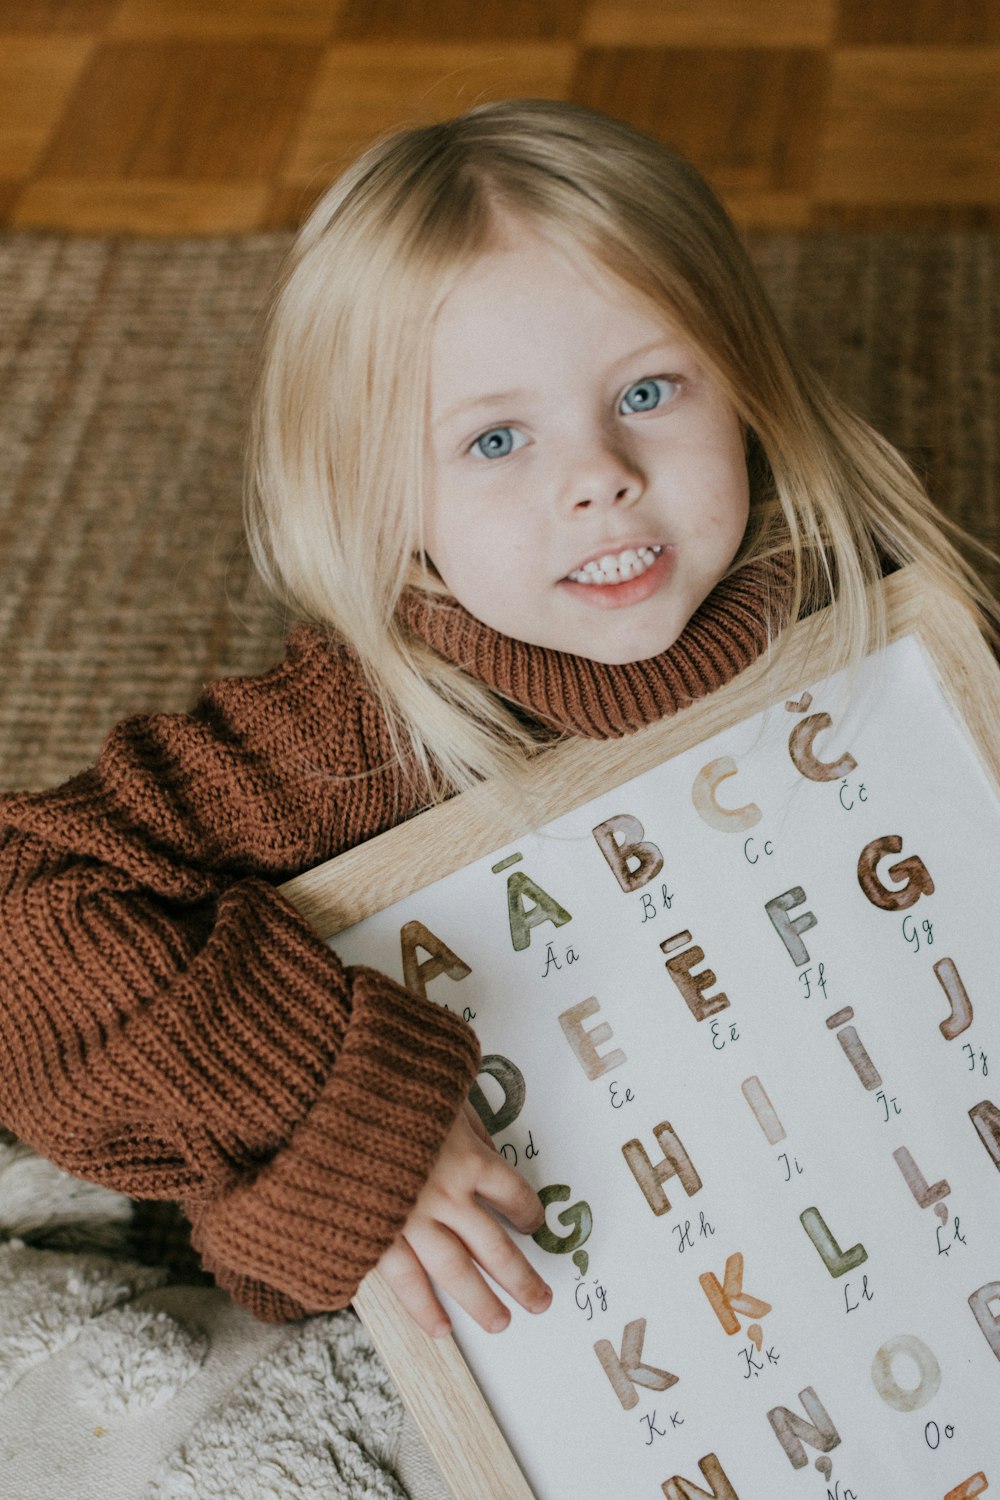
124,375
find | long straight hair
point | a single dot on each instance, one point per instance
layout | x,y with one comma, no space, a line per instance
335,492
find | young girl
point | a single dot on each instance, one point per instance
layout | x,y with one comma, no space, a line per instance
533,456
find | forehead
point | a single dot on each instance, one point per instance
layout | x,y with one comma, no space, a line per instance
525,297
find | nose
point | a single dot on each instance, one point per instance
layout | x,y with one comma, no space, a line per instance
605,475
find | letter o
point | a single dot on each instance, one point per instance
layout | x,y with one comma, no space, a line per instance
928,1369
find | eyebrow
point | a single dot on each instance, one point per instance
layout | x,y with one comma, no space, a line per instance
460,408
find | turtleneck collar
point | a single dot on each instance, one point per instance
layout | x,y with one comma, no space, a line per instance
572,695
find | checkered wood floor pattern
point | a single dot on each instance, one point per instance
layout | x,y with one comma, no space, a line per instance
180,116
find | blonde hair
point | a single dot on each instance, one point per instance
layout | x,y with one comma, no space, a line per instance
337,456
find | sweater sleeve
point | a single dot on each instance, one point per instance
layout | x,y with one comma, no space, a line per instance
171,1027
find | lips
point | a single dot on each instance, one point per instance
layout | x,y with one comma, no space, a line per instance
608,587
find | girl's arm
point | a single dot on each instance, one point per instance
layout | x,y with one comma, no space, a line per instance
171,1027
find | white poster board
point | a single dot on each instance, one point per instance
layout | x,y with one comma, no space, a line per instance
738,1028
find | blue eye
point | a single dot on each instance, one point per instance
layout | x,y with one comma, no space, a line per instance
646,395
498,442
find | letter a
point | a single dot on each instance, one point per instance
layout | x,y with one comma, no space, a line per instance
674,1163
633,859
524,918
792,1431
626,1371
684,1489
416,975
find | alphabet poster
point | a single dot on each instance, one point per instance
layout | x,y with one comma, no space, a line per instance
740,1030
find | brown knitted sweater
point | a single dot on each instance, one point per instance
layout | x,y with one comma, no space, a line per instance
169,1025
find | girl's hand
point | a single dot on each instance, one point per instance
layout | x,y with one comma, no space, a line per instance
449,1235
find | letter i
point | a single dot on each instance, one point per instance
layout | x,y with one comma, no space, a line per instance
854,1048
764,1112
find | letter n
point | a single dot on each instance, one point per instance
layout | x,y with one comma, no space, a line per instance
792,1431
712,1471
675,1162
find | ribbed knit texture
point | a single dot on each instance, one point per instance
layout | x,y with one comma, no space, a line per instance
170,1026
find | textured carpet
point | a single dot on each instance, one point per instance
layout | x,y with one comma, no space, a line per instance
125,369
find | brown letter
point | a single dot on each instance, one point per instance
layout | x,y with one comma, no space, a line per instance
674,1163
585,1043
800,748
417,976
912,870
692,986
792,1430
684,1489
626,1371
986,1118
620,840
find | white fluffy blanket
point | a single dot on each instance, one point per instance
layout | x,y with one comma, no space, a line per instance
115,1385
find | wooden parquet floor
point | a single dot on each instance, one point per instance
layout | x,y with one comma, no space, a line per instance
203,116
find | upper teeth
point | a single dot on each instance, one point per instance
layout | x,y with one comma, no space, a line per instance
616,567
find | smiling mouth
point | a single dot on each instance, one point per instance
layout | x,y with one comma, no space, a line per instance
616,567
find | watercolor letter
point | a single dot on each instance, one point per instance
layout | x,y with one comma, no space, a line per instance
675,1162
988,1320
511,1080
792,1430
789,928
684,1489
837,1261
906,1398
726,819
917,1183
986,1118
626,1370
800,748
585,1043
959,1018
418,974
633,859
692,986
729,1299
755,1094
578,1219
912,870
543,908
969,1489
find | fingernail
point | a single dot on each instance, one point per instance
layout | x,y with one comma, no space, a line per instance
499,1323
542,1300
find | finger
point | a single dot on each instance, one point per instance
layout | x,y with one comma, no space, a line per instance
503,1187
444,1257
411,1284
494,1250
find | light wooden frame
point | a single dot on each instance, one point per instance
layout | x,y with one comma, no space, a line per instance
433,1378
